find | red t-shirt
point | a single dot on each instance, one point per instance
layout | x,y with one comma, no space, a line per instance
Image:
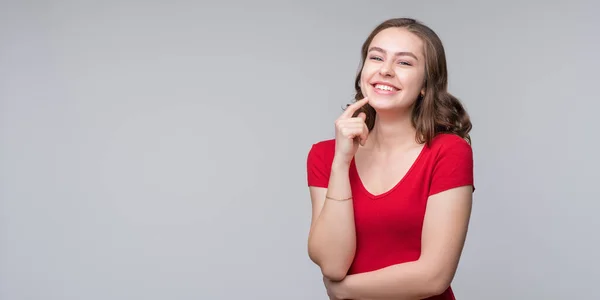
389,225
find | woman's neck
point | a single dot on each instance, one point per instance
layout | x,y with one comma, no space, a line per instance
391,133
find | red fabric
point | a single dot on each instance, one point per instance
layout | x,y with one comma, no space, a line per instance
389,225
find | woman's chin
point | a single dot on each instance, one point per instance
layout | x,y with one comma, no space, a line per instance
382,105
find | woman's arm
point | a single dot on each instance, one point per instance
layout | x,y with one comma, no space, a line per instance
444,232
332,237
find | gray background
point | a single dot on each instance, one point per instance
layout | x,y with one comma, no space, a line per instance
156,150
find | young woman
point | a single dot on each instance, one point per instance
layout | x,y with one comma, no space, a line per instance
391,194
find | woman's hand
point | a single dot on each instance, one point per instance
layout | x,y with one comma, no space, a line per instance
350,132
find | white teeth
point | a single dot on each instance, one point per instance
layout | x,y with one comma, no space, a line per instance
384,87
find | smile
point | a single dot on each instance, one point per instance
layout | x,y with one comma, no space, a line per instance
384,89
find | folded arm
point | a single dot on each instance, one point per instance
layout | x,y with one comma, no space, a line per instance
443,237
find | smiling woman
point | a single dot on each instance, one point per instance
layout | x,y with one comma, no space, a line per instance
391,194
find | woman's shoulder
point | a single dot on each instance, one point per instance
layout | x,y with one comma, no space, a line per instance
319,162
448,140
323,148
451,162
449,145
325,144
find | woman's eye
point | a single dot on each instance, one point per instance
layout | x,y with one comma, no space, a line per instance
375,58
405,63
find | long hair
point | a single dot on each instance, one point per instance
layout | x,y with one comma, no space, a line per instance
436,112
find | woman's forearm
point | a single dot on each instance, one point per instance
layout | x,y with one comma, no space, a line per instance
332,241
411,280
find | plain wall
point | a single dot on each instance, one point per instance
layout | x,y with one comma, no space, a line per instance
157,150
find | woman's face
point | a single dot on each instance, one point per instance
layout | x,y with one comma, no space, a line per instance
394,69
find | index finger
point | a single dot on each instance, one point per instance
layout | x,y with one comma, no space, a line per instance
351,109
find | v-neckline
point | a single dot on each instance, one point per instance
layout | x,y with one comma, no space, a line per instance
393,188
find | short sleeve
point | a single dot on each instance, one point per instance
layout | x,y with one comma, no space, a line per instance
453,167
317,168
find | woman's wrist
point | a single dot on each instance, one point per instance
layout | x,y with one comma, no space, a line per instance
339,164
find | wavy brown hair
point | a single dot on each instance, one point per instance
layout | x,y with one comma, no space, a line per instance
436,112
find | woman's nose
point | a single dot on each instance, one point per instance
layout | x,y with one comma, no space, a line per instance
386,70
